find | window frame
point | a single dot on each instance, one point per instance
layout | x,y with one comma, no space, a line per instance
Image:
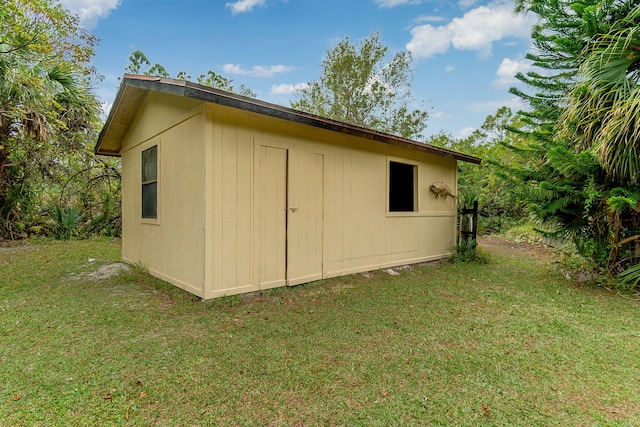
156,181
415,169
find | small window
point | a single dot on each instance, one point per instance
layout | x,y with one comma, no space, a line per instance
402,187
150,183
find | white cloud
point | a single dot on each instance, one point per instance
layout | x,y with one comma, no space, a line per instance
441,115
465,132
490,107
427,41
287,89
89,11
257,70
449,68
476,30
386,4
428,18
242,6
508,69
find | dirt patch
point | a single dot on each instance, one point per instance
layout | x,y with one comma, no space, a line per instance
501,245
14,247
105,272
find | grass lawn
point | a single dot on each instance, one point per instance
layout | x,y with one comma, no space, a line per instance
503,344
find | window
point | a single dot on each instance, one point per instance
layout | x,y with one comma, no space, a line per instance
402,187
150,183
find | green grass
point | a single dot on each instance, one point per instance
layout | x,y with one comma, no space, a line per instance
499,344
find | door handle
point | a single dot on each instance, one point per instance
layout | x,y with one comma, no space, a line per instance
293,209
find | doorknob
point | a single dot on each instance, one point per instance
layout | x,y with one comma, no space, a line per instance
293,209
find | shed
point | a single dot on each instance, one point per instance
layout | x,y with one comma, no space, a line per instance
223,194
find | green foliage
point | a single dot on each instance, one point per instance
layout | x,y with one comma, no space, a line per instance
604,108
68,221
359,85
48,118
140,64
468,195
630,278
580,153
499,197
94,190
40,81
468,251
137,62
624,199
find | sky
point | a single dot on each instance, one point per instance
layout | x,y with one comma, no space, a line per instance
465,52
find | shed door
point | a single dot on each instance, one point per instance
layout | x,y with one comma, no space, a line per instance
304,223
289,193
271,216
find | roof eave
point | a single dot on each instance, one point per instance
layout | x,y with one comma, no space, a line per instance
216,96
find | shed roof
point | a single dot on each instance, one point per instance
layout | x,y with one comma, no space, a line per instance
134,88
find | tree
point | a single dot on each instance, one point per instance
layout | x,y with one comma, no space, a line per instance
500,201
359,86
603,117
604,109
577,161
140,64
45,77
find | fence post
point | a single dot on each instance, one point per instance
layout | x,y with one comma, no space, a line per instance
475,221
461,217
468,223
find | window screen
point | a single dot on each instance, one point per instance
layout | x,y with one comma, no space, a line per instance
402,179
150,182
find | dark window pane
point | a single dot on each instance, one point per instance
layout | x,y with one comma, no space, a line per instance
150,200
401,187
150,164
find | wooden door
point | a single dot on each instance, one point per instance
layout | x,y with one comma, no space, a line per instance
270,216
305,217
288,216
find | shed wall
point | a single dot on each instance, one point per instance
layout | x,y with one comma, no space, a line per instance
208,238
359,233
172,246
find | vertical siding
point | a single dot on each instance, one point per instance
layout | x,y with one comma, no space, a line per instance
130,199
270,217
305,193
244,217
209,200
359,232
231,262
230,208
171,247
355,210
214,264
216,234
181,203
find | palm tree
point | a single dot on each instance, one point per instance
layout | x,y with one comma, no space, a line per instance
603,112
602,116
46,108
37,97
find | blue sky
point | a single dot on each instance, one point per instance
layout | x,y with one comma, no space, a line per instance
465,52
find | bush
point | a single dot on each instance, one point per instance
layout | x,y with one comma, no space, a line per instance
468,251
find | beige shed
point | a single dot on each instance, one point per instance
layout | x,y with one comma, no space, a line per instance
223,194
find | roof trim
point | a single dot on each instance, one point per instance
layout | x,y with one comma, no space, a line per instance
111,131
